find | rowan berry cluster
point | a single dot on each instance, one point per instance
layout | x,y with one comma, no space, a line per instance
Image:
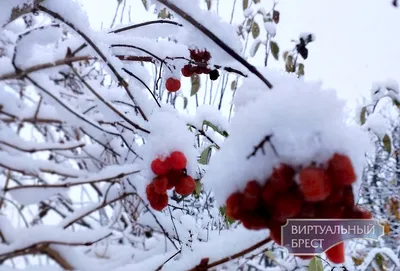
171,173
309,192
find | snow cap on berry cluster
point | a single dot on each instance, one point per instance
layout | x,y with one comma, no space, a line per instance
169,133
307,124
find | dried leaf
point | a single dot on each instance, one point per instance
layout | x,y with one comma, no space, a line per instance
255,30
195,80
363,115
234,85
300,70
276,16
315,265
245,4
387,144
274,49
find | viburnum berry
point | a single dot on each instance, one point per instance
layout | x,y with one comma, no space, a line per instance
234,205
173,177
251,195
308,210
336,253
151,191
160,184
336,196
254,221
160,167
315,184
268,194
187,70
185,186
177,160
159,202
276,232
325,210
172,84
282,177
340,170
348,196
287,205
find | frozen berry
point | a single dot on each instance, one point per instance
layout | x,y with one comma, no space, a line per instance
287,205
160,167
150,191
160,184
330,211
340,170
214,74
187,70
185,186
268,194
348,196
234,205
254,221
173,177
252,195
172,84
308,210
336,196
336,253
276,232
282,177
159,202
177,160
359,213
314,184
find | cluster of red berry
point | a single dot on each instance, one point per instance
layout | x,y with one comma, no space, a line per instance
203,57
171,172
311,192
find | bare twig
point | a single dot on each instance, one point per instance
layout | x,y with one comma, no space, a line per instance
217,40
260,146
144,24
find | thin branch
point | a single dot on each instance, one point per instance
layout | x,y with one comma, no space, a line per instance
217,40
70,184
144,24
37,149
232,257
120,79
260,146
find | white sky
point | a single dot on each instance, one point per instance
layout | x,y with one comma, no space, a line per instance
358,41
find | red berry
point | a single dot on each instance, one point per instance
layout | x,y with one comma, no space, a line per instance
172,84
177,160
173,177
336,253
336,196
287,205
359,213
340,170
282,177
276,232
159,202
160,184
205,70
268,194
206,56
150,191
160,167
348,196
330,211
252,196
234,205
254,221
187,70
308,210
314,184
185,186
